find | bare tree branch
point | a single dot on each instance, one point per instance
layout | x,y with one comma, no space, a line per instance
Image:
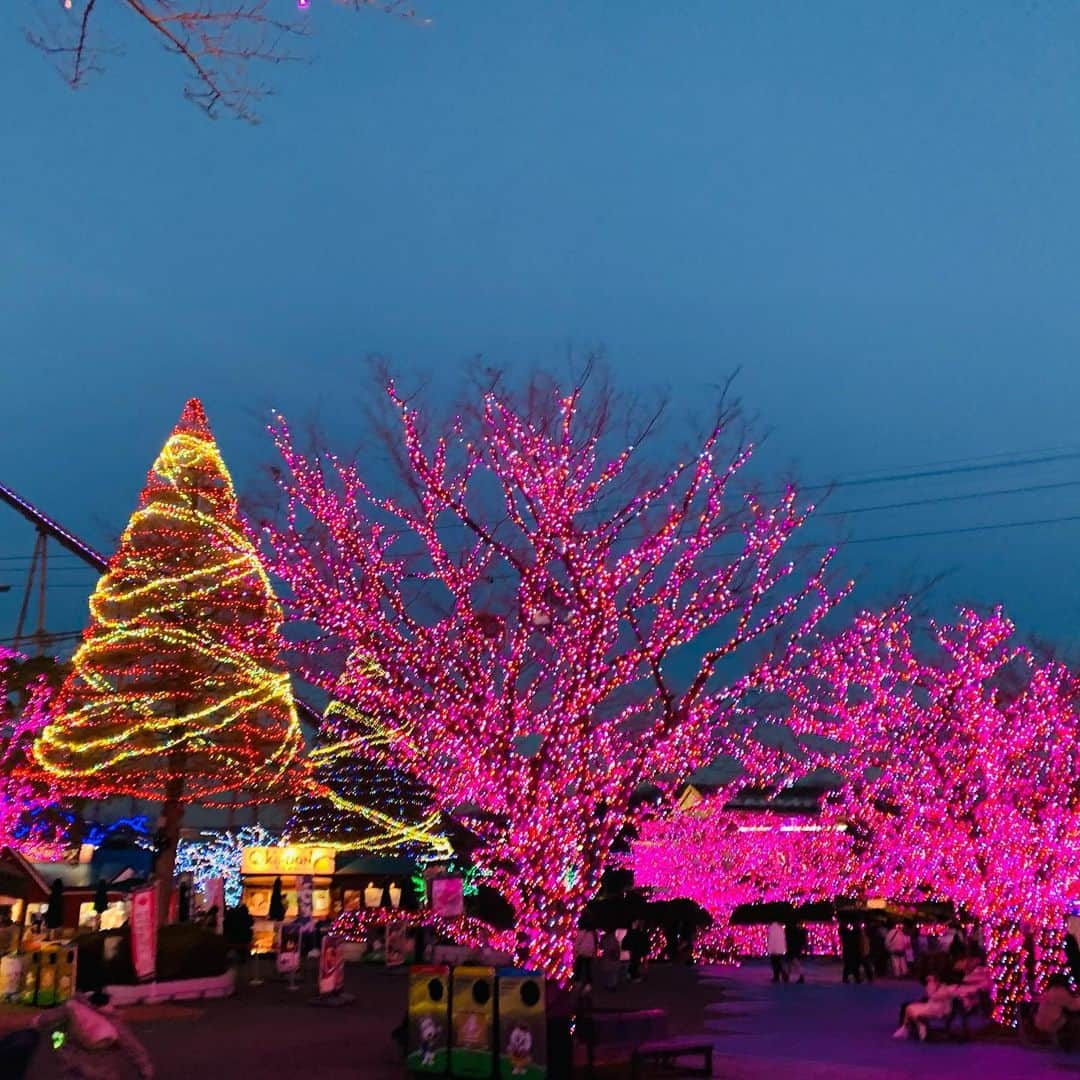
222,43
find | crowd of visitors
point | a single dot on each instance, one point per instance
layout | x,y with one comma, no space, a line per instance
615,957
951,966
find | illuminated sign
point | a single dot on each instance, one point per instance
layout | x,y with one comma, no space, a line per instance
288,859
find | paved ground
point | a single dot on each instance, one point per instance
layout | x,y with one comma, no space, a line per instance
820,1031
825,1029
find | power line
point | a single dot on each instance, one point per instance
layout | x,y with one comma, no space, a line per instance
963,529
924,474
52,556
65,635
948,498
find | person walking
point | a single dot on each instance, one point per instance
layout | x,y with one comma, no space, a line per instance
879,954
584,952
636,944
897,941
610,959
777,944
864,953
914,944
849,951
795,936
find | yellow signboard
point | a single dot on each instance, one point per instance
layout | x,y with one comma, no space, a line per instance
287,859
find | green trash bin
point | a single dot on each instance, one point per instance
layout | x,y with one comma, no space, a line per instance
472,1018
522,1038
429,1019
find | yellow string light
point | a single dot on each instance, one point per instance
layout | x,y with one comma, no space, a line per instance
178,674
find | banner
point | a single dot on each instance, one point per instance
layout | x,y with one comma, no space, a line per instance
331,965
144,927
288,951
400,945
304,904
213,892
448,897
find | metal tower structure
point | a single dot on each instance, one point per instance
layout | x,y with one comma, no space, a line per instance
34,590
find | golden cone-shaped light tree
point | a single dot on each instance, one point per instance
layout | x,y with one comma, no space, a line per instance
177,692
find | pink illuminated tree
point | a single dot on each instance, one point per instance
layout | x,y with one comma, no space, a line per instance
962,775
722,858
25,791
539,629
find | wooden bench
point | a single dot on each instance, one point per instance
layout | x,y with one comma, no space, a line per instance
666,1052
618,1032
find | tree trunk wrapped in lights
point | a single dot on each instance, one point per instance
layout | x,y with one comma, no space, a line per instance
177,693
963,774
538,630
362,805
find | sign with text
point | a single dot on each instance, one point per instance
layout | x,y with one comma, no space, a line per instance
144,927
287,859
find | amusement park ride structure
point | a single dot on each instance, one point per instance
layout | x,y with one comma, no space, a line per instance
34,591
45,529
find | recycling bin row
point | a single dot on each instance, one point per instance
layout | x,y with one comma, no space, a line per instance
477,1022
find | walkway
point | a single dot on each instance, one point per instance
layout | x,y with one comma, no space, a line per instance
824,1030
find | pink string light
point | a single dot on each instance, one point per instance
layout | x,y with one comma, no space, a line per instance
533,717
25,791
962,776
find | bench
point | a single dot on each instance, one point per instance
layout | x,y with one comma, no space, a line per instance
666,1052
618,1032
959,1015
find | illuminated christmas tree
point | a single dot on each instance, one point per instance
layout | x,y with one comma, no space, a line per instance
364,806
177,693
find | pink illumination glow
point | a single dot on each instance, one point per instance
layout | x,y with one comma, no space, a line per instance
473,933
510,616
25,792
722,858
962,777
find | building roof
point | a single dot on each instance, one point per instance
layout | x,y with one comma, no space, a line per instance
72,876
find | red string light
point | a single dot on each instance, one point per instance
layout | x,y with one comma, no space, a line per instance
177,690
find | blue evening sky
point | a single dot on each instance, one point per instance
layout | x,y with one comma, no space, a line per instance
871,209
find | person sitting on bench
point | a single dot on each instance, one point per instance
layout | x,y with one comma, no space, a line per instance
937,1005
1056,1003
